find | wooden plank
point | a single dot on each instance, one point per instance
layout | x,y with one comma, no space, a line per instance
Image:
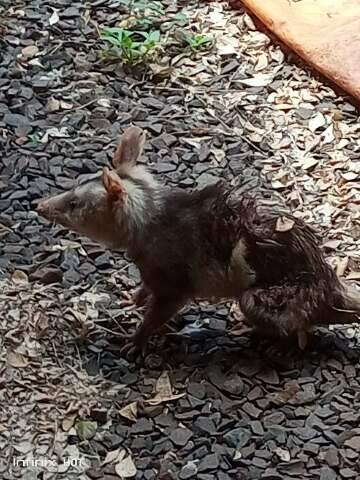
324,33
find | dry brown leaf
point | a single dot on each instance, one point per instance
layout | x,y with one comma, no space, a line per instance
53,105
54,18
55,132
36,63
163,399
218,154
350,176
66,105
126,468
289,391
328,136
229,47
316,122
237,455
163,391
284,224
283,454
130,411
23,447
161,71
19,277
30,51
104,102
86,429
309,163
332,244
114,455
277,185
262,62
259,80
17,360
163,385
68,422
341,266
353,276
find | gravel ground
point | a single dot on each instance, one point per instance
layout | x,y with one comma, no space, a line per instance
209,402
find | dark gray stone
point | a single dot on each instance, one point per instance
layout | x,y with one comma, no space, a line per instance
323,412
165,167
259,462
311,448
251,410
197,390
233,385
332,457
165,420
276,418
15,120
206,179
307,433
315,422
238,437
204,425
142,426
353,442
180,436
210,462
257,428
269,376
348,473
272,474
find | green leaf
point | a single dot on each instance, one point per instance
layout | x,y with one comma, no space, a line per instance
114,31
155,7
111,40
180,17
154,36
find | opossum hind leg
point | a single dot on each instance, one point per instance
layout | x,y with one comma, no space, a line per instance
276,312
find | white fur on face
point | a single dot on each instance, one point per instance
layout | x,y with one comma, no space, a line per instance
135,211
135,204
88,211
91,192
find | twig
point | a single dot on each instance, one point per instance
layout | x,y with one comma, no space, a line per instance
225,125
80,107
112,332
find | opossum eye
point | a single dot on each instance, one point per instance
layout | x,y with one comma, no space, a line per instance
72,204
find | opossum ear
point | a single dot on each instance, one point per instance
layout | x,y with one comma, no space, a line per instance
112,184
130,147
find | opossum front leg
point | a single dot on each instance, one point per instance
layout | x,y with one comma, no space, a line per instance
159,311
142,295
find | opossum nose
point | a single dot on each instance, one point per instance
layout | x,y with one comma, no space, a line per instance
42,207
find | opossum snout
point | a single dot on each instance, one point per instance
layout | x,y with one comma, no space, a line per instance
42,207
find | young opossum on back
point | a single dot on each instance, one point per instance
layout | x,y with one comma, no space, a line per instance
210,243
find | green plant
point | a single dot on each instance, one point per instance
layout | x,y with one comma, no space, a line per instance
196,41
131,46
34,139
180,18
